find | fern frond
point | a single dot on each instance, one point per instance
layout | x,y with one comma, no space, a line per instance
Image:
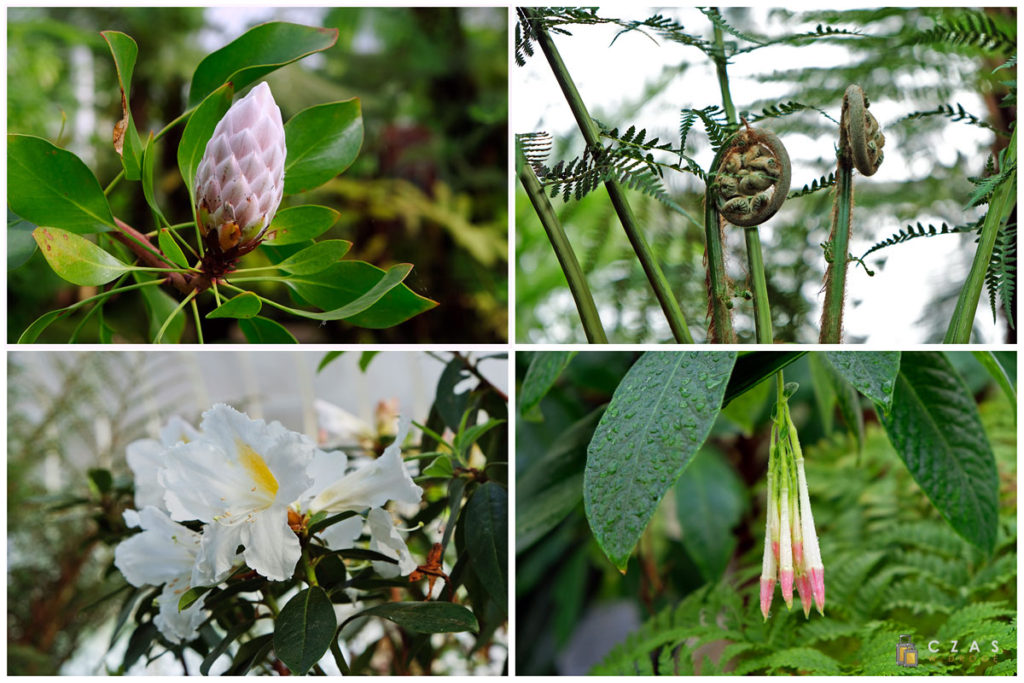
800,660
986,186
913,232
536,147
667,29
815,185
820,31
716,125
1001,274
715,16
954,114
686,120
969,29
780,109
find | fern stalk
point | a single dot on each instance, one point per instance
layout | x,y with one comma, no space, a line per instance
999,209
564,253
660,285
835,275
720,329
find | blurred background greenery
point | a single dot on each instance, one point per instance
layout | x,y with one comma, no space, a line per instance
903,60
891,561
429,186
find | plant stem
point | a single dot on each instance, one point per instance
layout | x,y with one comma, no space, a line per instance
310,574
177,309
999,209
723,76
199,325
652,270
114,182
762,311
564,253
835,275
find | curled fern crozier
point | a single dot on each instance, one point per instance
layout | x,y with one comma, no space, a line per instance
862,131
752,180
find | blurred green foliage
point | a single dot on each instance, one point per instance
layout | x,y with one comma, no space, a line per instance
429,186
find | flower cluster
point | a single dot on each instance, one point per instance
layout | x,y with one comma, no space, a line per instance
791,552
251,486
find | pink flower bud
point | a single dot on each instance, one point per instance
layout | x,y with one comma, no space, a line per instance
768,563
767,593
803,587
812,553
785,547
240,180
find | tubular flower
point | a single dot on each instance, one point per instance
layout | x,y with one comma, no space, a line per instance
240,180
791,543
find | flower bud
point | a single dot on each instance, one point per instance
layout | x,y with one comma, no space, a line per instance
812,553
240,180
785,547
768,564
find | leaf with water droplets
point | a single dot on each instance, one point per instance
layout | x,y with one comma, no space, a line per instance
658,418
872,373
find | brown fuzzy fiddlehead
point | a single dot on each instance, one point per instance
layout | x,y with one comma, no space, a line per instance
752,179
862,134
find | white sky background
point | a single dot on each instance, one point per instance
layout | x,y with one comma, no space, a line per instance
609,77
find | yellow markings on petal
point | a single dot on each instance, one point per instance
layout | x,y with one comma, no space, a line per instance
257,468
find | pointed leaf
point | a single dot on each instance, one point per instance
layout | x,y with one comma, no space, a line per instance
486,530
76,259
541,375
386,281
198,132
872,373
423,617
299,224
126,137
304,630
148,156
160,305
260,330
658,418
48,185
20,244
245,305
710,500
315,258
169,247
322,141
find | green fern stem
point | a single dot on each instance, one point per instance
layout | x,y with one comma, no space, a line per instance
759,285
591,134
563,252
999,209
719,302
723,76
839,238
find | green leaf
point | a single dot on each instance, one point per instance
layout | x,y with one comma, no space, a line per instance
754,367
746,409
76,259
486,530
872,373
710,500
257,52
222,647
20,244
169,247
48,185
40,324
304,630
249,654
101,479
849,406
998,373
329,357
198,132
245,305
423,617
148,157
365,358
126,141
138,644
322,141
935,427
360,293
451,406
260,330
456,487
315,258
658,418
541,375
159,305
190,596
440,468
824,390
465,439
300,224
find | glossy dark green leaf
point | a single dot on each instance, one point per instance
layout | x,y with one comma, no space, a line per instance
710,500
451,404
658,418
126,136
315,258
328,358
138,644
300,224
322,141
50,186
256,53
345,286
244,305
872,373
465,439
20,243
935,428
222,647
260,330
487,539
199,130
755,367
541,375
456,487
824,390
423,617
849,406
250,653
76,259
169,247
304,630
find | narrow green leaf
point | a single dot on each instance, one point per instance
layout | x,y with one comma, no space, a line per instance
998,372
198,132
658,418
328,358
160,305
76,259
190,596
169,247
541,375
465,439
249,654
245,305
872,373
451,405
222,647
388,281
148,157
260,330
849,406
126,136
423,617
300,224
315,258
486,530
322,141
365,358
754,367
824,390
39,325
304,630
456,487
935,428
138,644
51,186
257,52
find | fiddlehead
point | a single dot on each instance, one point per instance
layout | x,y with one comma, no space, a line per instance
752,179
861,132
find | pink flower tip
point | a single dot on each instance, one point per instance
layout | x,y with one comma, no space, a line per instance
798,554
767,593
786,583
775,550
818,588
803,586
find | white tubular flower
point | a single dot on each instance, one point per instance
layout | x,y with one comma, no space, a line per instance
812,553
385,539
239,478
769,570
146,456
240,180
164,553
785,544
369,486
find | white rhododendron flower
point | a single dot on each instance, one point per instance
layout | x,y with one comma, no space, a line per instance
385,539
145,458
240,180
240,478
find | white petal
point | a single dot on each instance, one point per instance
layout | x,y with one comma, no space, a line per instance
385,539
339,426
145,458
324,469
343,534
177,431
178,626
163,552
271,547
202,482
217,553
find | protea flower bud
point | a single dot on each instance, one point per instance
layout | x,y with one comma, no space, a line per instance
240,179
